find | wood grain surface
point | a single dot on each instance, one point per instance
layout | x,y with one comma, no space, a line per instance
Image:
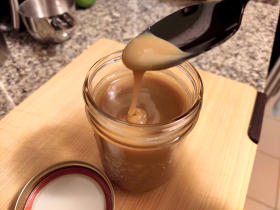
50,126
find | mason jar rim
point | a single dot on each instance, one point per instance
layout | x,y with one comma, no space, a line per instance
94,69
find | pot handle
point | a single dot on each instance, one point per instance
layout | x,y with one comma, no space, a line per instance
15,16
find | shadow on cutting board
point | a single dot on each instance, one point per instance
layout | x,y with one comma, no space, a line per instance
70,139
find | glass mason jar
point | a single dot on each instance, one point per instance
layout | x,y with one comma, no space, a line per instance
140,157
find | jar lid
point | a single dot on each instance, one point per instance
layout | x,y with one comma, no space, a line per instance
66,186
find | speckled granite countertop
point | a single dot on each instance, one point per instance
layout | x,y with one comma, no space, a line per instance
245,57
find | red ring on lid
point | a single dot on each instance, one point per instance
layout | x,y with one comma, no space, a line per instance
70,170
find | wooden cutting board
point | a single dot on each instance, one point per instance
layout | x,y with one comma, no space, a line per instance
50,126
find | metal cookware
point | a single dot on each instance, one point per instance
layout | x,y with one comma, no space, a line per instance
48,20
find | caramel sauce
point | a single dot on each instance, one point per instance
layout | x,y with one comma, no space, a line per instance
147,53
157,98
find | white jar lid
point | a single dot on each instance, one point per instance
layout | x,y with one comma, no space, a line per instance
67,186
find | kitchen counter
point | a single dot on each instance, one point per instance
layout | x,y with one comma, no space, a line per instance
245,57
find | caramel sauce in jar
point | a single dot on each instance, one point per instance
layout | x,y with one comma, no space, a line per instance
140,156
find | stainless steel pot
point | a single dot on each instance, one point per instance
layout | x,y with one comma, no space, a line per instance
48,20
